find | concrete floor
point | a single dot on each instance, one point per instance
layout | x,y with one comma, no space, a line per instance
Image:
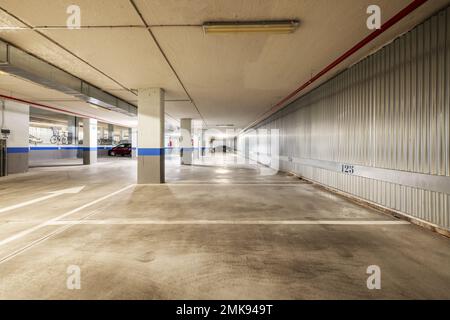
216,230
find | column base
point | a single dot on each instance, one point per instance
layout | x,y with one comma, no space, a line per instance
186,156
151,169
89,157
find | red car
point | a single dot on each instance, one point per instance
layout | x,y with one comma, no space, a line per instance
123,150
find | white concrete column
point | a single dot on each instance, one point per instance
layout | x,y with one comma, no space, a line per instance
203,144
111,133
89,141
247,148
71,131
134,143
16,118
197,143
151,136
251,146
186,141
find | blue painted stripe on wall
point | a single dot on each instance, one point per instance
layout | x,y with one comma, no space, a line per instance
150,152
54,148
17,150
104,148
43,148
69,148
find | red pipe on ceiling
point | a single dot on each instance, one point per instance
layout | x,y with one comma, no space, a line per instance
388,24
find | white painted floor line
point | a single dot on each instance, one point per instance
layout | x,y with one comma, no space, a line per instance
32,244
49,196
236,181
229,222
42,239
223,184
49,222
59,230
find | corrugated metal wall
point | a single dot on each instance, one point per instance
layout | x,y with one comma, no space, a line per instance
391,111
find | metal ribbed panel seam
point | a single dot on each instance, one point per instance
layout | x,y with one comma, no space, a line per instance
389,111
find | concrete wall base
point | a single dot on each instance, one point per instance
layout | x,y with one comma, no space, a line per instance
387,211
17,163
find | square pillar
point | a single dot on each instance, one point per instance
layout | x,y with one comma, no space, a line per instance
89,141
151,136
71,131
186,141
203,144
196,143
110,134
17,120
134,144
247,148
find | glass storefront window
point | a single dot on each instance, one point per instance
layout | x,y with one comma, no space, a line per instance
104,135
121,135
111,135
50,128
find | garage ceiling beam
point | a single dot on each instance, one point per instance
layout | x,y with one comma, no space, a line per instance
166,58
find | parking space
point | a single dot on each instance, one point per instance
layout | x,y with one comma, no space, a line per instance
252,236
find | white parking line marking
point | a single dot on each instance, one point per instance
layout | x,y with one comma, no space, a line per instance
49,222
229,222
223,184
51,195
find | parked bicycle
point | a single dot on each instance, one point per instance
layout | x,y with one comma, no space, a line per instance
58,138
34,140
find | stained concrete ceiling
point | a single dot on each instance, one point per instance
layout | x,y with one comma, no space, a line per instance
231,78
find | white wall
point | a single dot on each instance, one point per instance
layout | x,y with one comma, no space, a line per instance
16,119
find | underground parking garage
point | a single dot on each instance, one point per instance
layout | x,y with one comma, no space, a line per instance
225,150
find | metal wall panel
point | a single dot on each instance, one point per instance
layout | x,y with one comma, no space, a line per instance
389,111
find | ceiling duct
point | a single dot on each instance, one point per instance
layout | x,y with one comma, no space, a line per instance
24,65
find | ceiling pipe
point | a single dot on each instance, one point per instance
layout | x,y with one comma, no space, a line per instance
17,62
43,106
40,105
42,34
387,25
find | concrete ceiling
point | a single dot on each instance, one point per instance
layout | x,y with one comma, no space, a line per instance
232,78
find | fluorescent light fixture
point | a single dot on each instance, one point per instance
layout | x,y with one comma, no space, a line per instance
225,125
274,26
95,107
